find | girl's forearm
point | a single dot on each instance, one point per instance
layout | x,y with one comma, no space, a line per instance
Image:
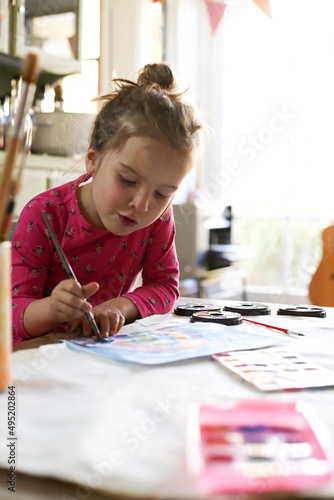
37,319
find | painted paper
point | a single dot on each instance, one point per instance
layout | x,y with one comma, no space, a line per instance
166,345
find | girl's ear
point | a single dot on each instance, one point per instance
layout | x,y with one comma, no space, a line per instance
91,160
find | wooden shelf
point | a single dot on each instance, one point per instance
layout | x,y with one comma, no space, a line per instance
52,69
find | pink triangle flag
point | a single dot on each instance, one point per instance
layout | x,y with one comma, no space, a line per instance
216,12
264,5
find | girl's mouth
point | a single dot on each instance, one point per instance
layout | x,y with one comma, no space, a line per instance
126,221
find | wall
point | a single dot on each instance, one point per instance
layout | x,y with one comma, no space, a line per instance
191,50
125,38
194,52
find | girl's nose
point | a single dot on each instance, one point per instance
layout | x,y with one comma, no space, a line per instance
140,201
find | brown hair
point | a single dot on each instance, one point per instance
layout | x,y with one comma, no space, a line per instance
153,106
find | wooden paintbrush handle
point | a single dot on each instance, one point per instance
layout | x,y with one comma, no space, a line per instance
6,179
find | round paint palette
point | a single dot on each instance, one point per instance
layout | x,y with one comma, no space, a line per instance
249,309
316,312
190,308
224,318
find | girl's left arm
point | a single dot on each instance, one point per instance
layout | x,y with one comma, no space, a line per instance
160,274
159,289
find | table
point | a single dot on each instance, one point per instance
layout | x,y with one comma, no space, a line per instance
90,428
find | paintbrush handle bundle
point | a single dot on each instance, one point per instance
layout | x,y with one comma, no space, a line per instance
8,182
8,190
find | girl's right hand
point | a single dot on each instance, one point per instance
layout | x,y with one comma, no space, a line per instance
67,300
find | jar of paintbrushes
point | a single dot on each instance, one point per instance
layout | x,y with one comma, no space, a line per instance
9,182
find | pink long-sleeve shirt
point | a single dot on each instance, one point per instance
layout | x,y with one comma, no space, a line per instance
94,255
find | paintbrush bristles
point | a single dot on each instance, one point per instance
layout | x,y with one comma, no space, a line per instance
30,68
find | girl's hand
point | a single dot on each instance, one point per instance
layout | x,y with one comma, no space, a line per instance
110,316
67,301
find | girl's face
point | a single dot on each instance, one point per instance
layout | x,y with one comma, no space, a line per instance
133,186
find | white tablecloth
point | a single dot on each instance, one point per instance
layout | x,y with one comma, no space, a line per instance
122,428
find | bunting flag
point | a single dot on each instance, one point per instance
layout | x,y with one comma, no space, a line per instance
264,5
216,12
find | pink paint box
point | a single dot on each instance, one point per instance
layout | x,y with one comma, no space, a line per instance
257,446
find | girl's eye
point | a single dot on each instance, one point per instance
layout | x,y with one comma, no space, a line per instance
161,196
127,181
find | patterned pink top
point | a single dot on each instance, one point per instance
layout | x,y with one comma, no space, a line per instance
95,255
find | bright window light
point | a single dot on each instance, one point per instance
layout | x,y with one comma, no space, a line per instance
278,108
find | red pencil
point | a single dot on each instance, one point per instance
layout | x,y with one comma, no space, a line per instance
283,330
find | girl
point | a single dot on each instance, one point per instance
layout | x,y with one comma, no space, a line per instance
115,226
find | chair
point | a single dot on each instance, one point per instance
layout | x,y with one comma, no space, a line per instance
321,287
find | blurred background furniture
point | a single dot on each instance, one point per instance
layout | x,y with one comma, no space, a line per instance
208,259
321,288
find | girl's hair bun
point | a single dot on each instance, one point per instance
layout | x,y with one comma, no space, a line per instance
157,74
152,106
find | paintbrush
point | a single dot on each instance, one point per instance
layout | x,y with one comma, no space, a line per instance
14,190
30,73
282,330
71,275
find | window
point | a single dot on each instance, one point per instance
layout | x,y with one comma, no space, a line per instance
278,129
